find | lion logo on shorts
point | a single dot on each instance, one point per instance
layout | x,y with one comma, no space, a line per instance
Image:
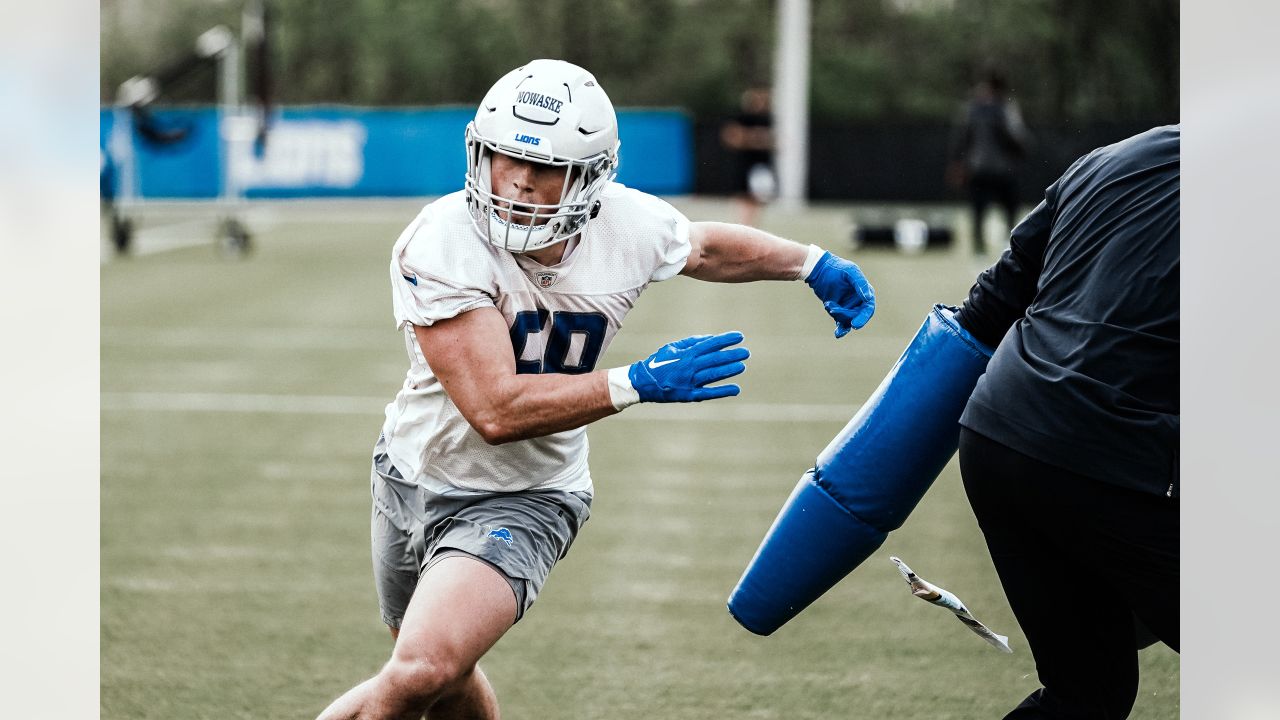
502,534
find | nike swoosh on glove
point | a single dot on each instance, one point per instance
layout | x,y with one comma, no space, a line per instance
844,291
681,370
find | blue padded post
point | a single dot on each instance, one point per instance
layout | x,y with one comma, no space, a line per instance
868,479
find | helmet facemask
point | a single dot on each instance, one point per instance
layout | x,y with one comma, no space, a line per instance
554,114
521,226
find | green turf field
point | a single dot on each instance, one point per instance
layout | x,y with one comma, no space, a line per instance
240,402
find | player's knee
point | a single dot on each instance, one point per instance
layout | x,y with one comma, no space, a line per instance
422,680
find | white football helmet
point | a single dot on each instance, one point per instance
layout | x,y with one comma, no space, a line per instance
550,112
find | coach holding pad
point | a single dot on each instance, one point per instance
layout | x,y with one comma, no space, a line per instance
1069,446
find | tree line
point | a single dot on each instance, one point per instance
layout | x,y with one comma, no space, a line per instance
873,60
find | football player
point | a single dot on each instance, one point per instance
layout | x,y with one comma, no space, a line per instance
508,292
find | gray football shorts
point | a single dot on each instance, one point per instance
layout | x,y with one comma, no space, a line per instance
519,534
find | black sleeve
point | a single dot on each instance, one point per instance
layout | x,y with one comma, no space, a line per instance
1003,292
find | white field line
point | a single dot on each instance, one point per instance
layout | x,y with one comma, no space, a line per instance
730,410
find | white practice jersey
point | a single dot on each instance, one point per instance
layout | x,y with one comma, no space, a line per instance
562,319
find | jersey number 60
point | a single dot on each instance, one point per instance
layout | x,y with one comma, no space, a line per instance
564,325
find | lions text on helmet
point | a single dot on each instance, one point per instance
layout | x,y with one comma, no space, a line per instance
555,115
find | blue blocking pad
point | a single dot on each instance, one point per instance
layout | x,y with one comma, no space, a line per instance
893,449
812,545
868,479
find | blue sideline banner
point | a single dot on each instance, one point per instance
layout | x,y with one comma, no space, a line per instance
365,152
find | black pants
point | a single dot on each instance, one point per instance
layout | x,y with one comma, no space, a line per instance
1078,559
986,188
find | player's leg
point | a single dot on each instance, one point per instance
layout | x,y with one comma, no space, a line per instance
748,211
475,692
1134,544
506,543
1129,540
1081,638
979,199
461,607
1078,625
473,697
397,534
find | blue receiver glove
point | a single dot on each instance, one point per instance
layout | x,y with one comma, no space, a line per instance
681,370
844,292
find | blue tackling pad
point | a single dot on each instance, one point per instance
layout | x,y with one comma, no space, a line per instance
868,480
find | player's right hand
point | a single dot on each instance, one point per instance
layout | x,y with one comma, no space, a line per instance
680,371
844,291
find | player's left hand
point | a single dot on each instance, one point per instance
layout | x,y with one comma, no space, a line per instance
844,291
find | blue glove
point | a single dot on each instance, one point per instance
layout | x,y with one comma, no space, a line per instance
681,370
844,292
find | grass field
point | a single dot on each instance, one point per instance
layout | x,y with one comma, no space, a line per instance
240,402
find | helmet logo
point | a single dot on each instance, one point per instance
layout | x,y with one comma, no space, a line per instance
539,100
527,139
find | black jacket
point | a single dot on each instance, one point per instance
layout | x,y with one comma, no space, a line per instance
1084,309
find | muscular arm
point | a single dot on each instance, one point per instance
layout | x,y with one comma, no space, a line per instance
471,355
721,252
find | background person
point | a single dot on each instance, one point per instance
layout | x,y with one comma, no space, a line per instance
988,141
749,135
